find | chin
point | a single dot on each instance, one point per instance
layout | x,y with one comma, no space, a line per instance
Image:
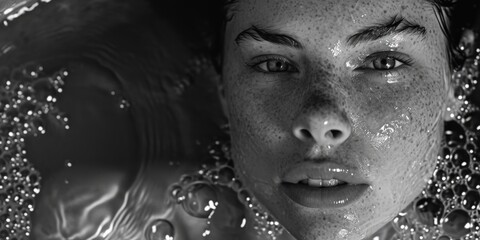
331,228
353,222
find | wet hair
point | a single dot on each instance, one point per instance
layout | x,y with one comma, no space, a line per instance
454,17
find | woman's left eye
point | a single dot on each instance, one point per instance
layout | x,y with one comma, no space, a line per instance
381,62
385,63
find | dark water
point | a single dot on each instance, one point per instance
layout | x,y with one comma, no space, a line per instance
140,97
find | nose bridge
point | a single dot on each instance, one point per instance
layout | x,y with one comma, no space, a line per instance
323,119
320,100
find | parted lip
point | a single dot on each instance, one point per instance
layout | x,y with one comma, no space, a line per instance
322,170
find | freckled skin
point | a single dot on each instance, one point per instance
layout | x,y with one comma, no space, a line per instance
263,108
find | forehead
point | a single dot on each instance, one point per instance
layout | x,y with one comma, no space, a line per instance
327,17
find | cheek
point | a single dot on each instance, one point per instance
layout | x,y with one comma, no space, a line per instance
249,127
404,125
260,116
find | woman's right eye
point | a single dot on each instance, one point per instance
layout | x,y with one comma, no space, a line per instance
275,65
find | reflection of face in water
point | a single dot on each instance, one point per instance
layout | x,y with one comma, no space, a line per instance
335,108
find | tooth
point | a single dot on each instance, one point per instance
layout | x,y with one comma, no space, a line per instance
315,182
330,182
321,182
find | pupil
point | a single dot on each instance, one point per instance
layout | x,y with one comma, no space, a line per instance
276,66
384,63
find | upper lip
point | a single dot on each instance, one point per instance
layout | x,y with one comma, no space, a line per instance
324,170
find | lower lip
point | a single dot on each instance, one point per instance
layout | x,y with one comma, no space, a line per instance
324,197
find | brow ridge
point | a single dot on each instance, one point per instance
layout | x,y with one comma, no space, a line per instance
259,34
396,24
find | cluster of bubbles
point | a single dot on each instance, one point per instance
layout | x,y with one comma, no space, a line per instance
197,194
27,95
449,207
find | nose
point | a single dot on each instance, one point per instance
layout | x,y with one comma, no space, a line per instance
324,128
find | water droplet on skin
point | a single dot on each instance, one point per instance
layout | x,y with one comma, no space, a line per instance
343,233
160,230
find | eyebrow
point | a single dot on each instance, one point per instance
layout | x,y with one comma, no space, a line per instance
395,25
259,34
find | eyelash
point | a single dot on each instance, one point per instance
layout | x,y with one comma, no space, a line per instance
255,65
397,56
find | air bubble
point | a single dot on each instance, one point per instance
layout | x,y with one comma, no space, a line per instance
459,93
473,181
461,158
471,200
456,223
200,200
225,175
472,122
454,134
160,230
440,175
460,189
465,173
401,224
443,238
244,197
448,194
453,178
429,211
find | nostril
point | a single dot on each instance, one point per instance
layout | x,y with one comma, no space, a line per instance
306,134
336,134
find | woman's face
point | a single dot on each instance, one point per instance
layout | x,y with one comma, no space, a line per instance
336,108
